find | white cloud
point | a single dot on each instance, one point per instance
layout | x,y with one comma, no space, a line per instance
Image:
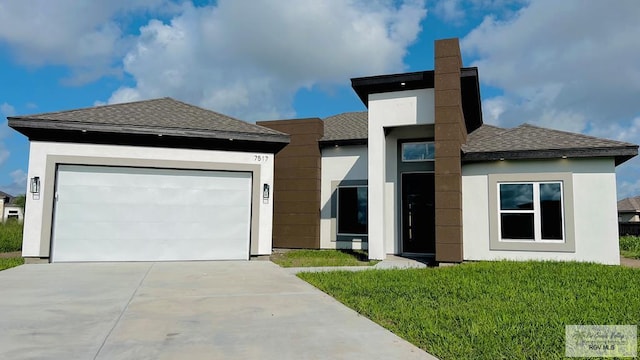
449,10
7,109
248,58
628,188
628,131
18,184
83,34
571,65
492,110
568,56
19,177
4,154
457,12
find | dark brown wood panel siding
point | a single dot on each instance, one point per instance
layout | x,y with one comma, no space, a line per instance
296,194
450,134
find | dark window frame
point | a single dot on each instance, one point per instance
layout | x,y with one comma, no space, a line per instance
357,210
428,144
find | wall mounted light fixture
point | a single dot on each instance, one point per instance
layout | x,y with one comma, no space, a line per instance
34,186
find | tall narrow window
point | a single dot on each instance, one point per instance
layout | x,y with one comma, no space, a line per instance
551,211
531,211
352,210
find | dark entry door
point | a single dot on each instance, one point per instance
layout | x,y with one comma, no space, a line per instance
418,213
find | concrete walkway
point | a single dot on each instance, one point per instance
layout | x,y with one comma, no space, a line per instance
181,310
391,262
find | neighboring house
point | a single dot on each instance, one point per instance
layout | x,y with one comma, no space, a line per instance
9,209
417,174
629,210
146,181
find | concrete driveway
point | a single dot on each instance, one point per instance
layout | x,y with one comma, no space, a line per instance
181,310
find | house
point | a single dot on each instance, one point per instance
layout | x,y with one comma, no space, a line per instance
629,210
629,216
418,173
9,209
146,181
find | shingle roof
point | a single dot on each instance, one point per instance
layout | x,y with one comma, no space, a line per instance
156,116
532,142
346,126
494,143
4,195
631,204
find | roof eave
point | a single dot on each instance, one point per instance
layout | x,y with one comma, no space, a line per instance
620,154
470,88
364,86
24,126
342,142
471,99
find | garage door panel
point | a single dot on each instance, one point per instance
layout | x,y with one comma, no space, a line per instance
133,214
83,194
145,216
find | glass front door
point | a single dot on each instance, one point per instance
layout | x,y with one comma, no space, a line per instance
418,213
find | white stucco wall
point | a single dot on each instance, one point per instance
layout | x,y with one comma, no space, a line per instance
387,110
34,246
594,206
338,164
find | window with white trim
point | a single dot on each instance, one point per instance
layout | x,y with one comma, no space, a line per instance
531,211
352,210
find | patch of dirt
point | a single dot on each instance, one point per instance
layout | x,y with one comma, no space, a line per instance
634,263
276,255
10,254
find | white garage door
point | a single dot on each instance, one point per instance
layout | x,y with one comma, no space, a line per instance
140,214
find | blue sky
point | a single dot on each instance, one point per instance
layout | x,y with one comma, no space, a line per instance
570,65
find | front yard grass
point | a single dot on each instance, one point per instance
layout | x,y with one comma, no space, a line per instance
489,310
630,246
10,236
6,263
10,242
307,258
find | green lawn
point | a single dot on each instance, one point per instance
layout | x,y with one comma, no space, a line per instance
6,263
306,258
630,246
10,241
10,236
489,310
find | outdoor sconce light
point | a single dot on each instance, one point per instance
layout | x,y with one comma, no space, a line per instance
34,186
265,193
